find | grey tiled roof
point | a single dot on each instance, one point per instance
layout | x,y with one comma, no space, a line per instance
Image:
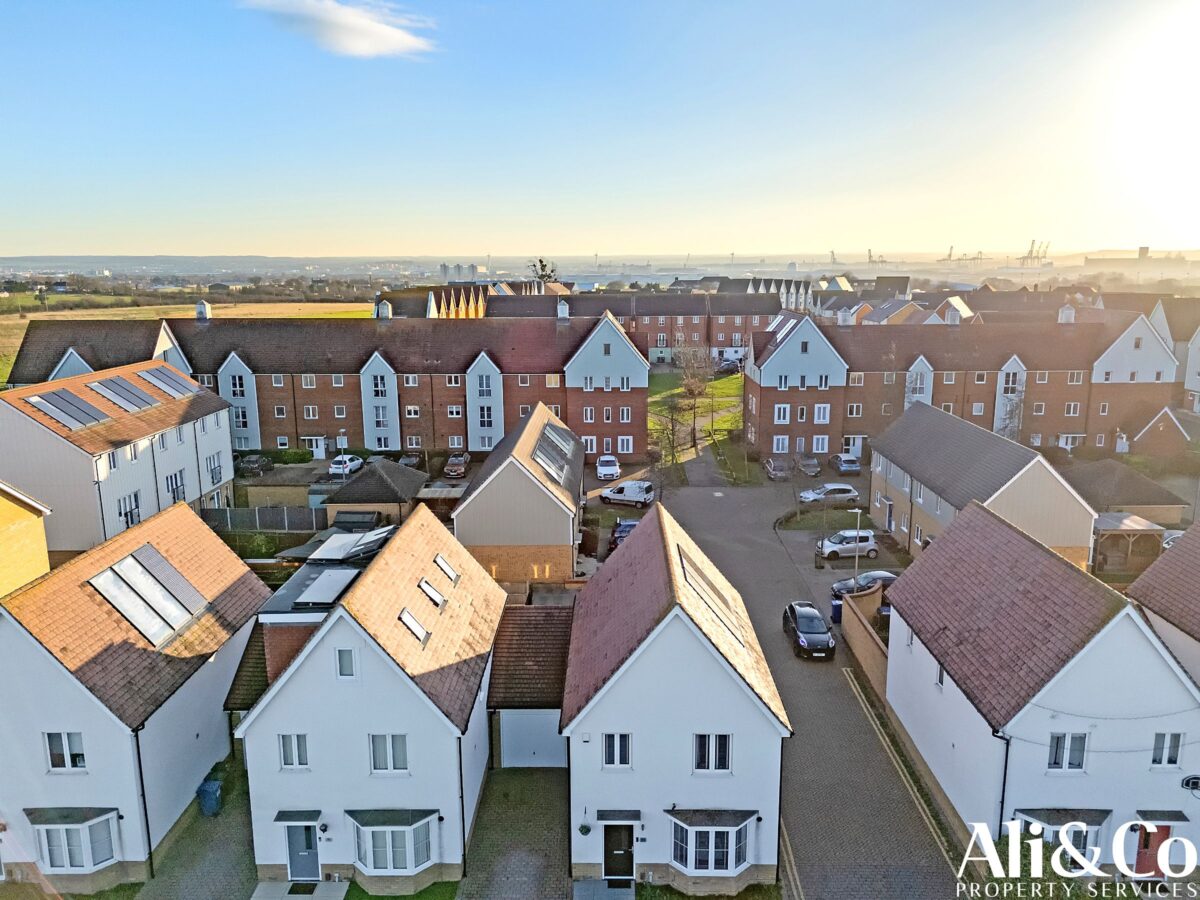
1109,483
384,481
1168,586
958,461
999,611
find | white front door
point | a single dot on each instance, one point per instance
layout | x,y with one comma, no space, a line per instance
852,444
316,445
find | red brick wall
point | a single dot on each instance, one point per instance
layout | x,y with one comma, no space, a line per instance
516,396
577,399
443,397
293,397
420,395
282,643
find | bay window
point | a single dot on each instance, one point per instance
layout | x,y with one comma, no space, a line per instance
77,845
705,842
392,840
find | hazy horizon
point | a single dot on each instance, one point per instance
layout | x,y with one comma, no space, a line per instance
348,128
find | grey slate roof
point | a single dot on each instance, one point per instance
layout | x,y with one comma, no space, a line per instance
958,461
999,611
1108,484
102,343
384,481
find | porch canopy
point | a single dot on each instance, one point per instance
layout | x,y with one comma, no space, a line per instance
298,816
389,818
66,815
711,818
1056,817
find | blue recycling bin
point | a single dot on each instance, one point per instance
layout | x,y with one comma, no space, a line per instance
835,611
209,794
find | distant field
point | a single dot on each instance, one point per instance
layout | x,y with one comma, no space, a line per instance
27,301
12,328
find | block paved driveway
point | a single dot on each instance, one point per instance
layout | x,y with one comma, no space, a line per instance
519,847
855,830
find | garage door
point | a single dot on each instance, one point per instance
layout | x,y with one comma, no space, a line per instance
529,737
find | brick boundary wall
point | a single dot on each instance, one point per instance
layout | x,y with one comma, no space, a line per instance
864,643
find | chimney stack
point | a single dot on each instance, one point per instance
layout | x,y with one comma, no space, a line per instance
203,311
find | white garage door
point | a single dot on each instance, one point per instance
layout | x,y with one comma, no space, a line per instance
529,737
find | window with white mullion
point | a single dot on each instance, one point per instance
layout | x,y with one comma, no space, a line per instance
77,849
65,751
710,851
393,849
711,752
389,753
293,751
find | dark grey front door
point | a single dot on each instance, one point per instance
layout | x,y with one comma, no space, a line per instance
303,864
618,851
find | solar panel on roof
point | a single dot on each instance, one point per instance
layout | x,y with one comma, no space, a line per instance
151,376
74,406
130,391
179,382
63,418
336,548
327,587
170,578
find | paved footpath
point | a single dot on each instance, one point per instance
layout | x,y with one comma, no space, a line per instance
854,829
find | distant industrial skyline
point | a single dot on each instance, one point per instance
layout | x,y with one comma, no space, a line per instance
347,128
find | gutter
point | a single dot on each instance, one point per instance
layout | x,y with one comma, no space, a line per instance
1001,736
137,743
462,808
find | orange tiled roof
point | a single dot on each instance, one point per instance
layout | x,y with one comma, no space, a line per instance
110,657
123,426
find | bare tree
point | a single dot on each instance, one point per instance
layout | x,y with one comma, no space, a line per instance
543,271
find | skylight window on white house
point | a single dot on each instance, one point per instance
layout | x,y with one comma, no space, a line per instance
438,598
410,622
710,594
448,570
146,590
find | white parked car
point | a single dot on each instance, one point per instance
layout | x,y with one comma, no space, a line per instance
632,493
831,494
608,468
345,464
850,542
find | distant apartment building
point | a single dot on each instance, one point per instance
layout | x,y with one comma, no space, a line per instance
110,448
388,384
828,388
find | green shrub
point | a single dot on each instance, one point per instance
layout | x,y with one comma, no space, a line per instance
287,457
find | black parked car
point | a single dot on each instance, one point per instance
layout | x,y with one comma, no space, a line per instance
254,464
808,631
864,582
621,530
729,367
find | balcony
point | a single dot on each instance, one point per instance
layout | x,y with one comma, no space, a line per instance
178,493
215,474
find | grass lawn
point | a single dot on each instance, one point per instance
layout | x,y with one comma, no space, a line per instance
736,466
832,520
720,394
29,891
443,890
263,544
754,892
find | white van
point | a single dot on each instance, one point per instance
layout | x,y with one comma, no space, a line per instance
633,493
848,543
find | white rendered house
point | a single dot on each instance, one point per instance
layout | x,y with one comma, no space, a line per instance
674,725
108,449
1034,692
366,757
123,657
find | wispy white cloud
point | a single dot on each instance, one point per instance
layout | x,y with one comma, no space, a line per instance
362,28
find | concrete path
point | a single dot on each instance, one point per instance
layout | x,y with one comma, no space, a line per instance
853,830
520,847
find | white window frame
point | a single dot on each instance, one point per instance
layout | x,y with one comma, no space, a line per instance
1167,752
310,409
1066,743
626,414
820,443
522,381
1104,409
456,442
820,413
779,443
1075,377
338,380
552,381
1039,409
276,381
783,413
736,843
977,409
705,749
854,411
454,411
298,745
419,832
412,411
589,443
389,766
412,381
281,412
981,377
308,382
856,379
87,860
341,654
625,443
948,378
68,766
1071,410
453,381
339,412
611,741
281,442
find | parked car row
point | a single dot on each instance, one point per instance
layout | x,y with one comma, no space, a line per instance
779,468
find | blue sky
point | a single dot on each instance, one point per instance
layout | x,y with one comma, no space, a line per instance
660,126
